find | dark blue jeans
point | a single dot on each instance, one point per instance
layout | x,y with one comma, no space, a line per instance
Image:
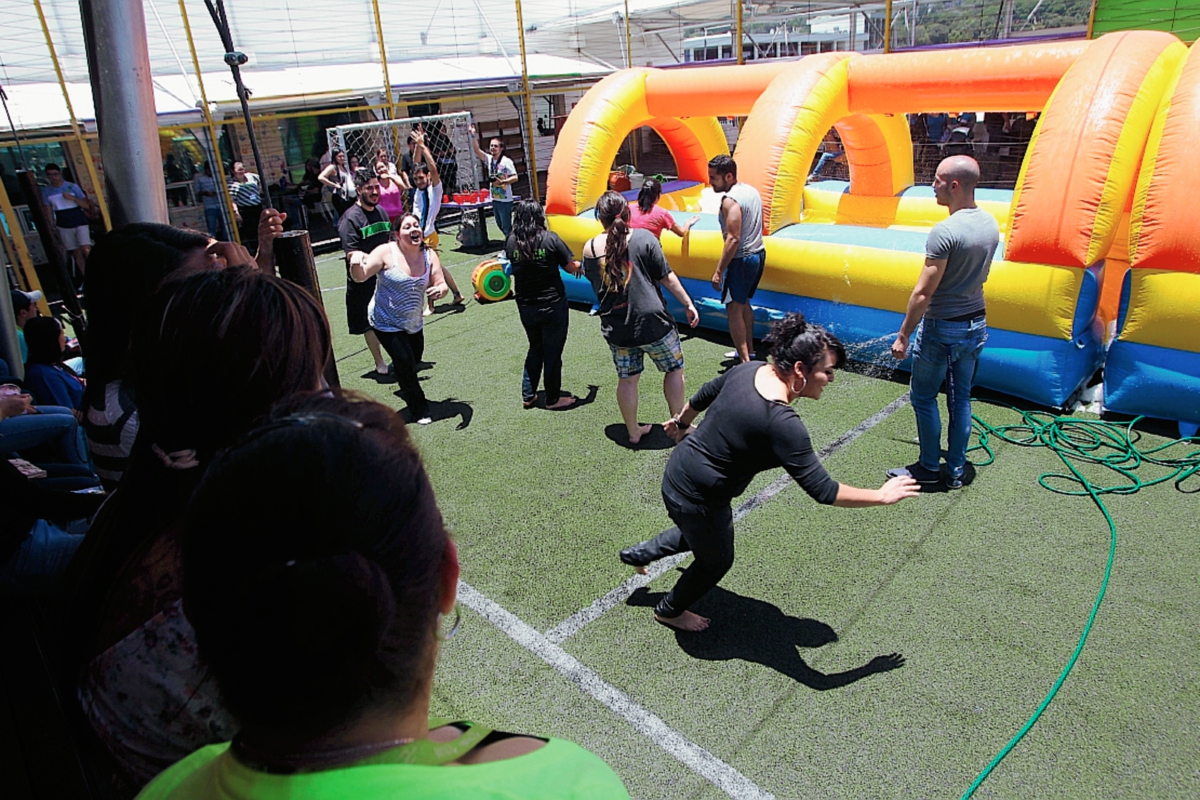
945,351
546,328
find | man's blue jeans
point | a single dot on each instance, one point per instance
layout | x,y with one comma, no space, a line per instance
945,351
54,426
215,223
502,210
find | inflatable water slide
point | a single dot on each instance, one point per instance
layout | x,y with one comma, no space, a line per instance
1087,205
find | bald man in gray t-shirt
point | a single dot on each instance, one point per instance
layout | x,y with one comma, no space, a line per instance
946,321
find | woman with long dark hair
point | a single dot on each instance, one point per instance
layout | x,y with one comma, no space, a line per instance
339,177
318,574
49,379
749,427
536,255
210,354
409,272
648,215
625,268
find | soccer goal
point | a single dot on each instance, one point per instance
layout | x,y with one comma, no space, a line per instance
447,135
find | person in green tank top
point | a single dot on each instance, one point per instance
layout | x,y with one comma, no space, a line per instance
317,575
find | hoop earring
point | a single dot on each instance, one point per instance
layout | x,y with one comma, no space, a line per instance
442,637
802,387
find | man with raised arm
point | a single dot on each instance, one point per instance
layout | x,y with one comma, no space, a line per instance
427,202
744,255
946,322
502,174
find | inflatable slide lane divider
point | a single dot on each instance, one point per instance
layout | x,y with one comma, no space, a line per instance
1153,366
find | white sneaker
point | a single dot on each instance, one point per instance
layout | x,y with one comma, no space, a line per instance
731,354
424,420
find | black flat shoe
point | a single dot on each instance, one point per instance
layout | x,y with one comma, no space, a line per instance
635,556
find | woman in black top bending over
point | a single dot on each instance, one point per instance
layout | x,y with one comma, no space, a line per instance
749,427
536,255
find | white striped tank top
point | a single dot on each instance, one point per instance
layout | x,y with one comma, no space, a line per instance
399,298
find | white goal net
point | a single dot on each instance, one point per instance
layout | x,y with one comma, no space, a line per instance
447,136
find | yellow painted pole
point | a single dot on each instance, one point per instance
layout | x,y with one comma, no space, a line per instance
529,122
738,43
633,135
387,80
87,153
887,27
217,168
23,260
1091,31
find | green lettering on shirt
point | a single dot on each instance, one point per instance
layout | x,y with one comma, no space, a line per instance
382,226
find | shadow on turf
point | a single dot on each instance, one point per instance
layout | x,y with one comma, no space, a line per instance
656,439
753,630
444,409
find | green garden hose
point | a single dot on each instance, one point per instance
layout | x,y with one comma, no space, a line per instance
1081,442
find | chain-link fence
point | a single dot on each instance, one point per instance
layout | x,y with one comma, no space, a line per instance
448,137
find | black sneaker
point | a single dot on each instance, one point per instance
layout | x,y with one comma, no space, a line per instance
952,481
925,477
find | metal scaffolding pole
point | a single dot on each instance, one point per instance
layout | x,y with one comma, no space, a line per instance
119,58
529,124
87,153
887,27
218,169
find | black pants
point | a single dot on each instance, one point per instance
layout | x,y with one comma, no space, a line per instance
546,327
406,351
341,204
249,227
708,533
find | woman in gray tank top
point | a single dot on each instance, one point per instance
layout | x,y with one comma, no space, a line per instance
408,273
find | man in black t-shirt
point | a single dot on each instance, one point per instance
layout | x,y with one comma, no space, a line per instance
362,228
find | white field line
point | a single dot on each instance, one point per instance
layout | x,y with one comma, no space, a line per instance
585,616
694,757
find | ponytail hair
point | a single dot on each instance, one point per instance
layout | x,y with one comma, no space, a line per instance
795,341
613,213
648,195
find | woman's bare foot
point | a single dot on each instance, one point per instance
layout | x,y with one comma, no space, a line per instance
642,430
565,401
687,621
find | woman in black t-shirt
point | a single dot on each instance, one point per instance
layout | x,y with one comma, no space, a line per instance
749,427
625,267
536,255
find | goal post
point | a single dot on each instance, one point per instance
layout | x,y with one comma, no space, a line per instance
447,135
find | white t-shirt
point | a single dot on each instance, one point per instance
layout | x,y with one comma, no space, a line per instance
435,205
503,166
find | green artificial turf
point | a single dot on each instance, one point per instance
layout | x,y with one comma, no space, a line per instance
984,591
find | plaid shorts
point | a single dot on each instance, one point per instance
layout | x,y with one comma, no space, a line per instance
666,353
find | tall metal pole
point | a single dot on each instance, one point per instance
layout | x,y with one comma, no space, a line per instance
21,259
387,81
87,153
120,61
738,43
887,27
218,170
234,60
529,125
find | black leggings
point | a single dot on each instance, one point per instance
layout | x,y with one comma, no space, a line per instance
546,329
406,351
708,534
